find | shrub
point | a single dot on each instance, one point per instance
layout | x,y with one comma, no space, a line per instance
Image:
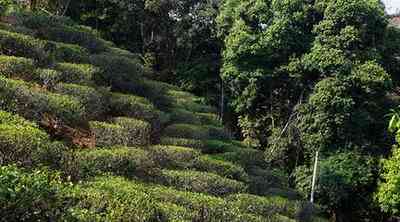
184,116
262,180
90,98
122,161
20,97
14,44
208,119
195,132
118,72
19,67
247,158
138,130
46,77
112,199
36,196
12,119
108,134
174,157
189,102
76,73
195,144
265,206
20,144
123,53
202,182
222,168
218,146
70,53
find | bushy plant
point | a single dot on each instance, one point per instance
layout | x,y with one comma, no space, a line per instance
195,132
192,143
222,168
77,73
132,106
93,100
14,44
35,196
189,102
124,161
265,206
247,158
202,182
70,53
139,131
20,97
112,199
184,116
108,134
46,77
17,67
119,72
174,157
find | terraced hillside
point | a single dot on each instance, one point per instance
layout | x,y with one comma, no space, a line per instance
86,135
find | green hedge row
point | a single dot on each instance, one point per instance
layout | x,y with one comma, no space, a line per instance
202,182
14,44
174,157
94,101
64,52
195,132
124,161
77,73
117,199
139,131
206,146
22,142
222,168
20,97
123,131
17,67
189,102
31,196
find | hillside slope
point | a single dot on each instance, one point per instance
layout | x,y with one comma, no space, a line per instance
126,148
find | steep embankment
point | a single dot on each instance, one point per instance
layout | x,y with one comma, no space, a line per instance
132,148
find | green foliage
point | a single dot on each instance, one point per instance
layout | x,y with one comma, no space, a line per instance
76,73
124,161
222,168
70,53
119,72
265,206
108,134
247,157
62,30
388,190
195,144
92,100
18,96
174,157
17,67
139,131
36,196
195,132
46,77
202,182
189,102
14,44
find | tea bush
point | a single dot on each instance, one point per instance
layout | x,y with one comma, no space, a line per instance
93,100
14,44
117,71
70,53
192,143
108,134
76,73
222,168
174,157
46,77
17,67
208,119
122,161
195,132
184,116
35,196
19,96
139,131
202,182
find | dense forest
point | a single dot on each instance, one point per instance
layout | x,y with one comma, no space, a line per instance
199,110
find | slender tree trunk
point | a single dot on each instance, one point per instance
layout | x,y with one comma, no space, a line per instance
314,179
